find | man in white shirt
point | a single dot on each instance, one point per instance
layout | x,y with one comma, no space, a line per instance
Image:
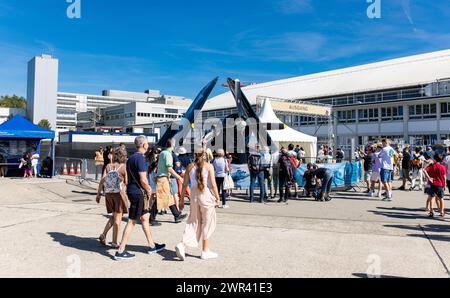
387,168
275,172
266,164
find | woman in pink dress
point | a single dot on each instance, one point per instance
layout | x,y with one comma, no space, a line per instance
202,221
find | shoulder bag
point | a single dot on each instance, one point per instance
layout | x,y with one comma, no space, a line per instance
148,202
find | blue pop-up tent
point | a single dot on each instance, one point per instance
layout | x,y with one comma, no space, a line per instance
19,130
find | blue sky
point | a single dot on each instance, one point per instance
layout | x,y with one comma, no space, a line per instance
178,46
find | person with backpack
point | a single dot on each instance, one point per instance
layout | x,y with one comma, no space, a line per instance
417,163
286,176
296,163
113,184
256,174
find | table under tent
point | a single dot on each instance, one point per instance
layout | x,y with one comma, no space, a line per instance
19,136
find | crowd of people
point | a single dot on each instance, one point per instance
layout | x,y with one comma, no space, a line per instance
29,163
426,169
154,180
275,173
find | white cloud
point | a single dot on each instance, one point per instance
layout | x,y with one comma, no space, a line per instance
46,47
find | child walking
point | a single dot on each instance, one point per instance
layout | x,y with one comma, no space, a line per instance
436,175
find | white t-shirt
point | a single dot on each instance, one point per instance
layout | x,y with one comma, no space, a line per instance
35,159
266,159
301,154
447,162
387,158
275,159
293,153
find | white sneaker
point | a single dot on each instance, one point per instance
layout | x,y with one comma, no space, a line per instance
225,207
208,255
370,194
181,251
380,195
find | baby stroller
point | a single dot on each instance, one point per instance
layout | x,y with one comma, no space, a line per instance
47,168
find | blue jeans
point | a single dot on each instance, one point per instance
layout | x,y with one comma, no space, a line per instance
327,182
257,178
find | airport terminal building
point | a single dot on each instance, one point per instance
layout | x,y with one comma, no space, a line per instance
406,100
62,109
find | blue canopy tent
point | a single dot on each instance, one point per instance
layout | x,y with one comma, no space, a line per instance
18,135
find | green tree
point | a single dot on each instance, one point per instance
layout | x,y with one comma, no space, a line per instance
13,101
45,124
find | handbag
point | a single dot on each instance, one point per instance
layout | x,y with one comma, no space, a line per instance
148,201
228,182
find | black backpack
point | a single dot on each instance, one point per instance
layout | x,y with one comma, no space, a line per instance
255,163
287,167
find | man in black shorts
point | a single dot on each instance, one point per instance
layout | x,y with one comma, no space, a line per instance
138,184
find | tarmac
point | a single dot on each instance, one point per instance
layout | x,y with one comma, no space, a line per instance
49,228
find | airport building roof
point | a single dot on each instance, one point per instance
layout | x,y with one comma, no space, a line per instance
390,74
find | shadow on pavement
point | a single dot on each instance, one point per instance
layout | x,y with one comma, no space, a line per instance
400,213
89,193
427,229
171,256
80,243
364,275
93,245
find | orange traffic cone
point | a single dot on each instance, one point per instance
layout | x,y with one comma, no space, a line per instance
65,172
79,169
72,170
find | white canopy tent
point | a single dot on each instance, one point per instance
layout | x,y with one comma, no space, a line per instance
288,135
